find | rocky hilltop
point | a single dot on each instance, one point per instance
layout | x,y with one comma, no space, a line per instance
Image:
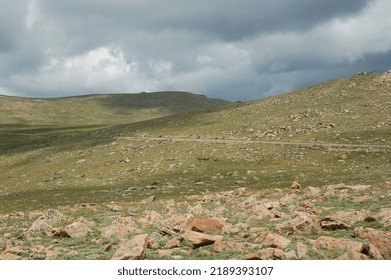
329,222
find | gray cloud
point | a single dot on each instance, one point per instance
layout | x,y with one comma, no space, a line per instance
224,48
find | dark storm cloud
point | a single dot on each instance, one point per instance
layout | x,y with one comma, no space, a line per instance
237,50
223,19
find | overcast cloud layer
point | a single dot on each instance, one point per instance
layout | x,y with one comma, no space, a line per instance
236,50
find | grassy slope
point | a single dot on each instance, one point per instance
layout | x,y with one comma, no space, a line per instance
351,110
64,168
100,109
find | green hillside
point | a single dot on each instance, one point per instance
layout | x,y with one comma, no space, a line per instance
350,110
100,109
333,132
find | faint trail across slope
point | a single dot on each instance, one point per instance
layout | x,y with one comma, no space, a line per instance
241,141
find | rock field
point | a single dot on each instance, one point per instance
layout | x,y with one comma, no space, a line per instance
302,222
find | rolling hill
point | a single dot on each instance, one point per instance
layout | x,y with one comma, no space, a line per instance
336,131
100,109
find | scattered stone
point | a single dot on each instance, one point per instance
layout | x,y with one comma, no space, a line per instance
175,222
239,191
17,250
380,239
313,192
166,231
329,223
77,229
51,253
134,249
290,255
164,253
370,250
352,216
302,222
205,224
12,253
120,227
302,250
220,246
385,216
199,239
148,200
46,221
291,216
9,257
174,242
197,210
16,214
295,186
353,255
113,207
274,240
151,218
266,254
331,243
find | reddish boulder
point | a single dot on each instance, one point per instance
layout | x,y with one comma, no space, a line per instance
380,239
331,243
174,242
266,254
353,255
134,249
199,239
205,224
330,223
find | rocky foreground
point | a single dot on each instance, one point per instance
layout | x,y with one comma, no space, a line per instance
329,222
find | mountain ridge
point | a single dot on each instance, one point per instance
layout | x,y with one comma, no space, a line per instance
101,108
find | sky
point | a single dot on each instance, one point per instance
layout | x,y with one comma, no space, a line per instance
234,50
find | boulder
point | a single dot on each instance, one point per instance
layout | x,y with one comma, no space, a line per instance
198,239
353,255
151,218
51,253
220,246
302,222
379,239
352,216
331,243
205,224
9,256
134,249
197,210
295,186
301,250
120,227
239,191
12,253
266,254
77,229
370,250
148,200
46,221
384,216
290,255
174,242
113,207
274,240
175,222
313,192
330,223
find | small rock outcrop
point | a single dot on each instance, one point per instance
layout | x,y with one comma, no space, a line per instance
381,240
198,239
46,221
134,249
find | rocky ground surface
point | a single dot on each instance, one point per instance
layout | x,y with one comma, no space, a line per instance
303,222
